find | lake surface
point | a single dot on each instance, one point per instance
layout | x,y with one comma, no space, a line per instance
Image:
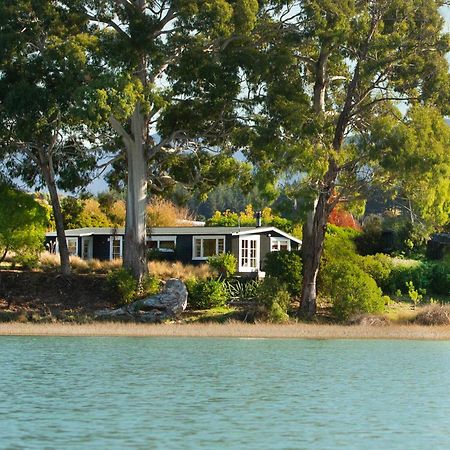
155,393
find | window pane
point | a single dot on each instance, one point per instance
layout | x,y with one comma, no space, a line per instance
72,246
169,245
221,245
198,248
152,244
116,247
209,247
284,246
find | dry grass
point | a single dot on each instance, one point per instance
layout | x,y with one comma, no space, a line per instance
50,262
433,315
166,269
230,330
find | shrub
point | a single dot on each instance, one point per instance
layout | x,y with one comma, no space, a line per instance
273,300
150,285
167,269
440,277
286,267
123,284
378,266
206,294
224,263
406,271
351,290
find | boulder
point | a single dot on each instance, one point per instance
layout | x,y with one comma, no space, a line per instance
166,304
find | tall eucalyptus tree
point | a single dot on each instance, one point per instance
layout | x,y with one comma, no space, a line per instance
44,68
166,70
324,72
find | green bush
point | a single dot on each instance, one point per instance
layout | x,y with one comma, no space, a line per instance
351,290
224,263
206,294
379,267
273,300
123,284
417,272
150,285
286,267
440,277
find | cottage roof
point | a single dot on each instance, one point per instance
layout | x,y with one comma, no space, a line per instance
171,231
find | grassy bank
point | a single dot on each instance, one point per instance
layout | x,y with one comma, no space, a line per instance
231,330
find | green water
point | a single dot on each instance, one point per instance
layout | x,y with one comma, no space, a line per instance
144,393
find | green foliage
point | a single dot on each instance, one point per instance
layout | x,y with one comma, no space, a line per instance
351,290
272,300
246,218
413,294
206,294
123,285
23,223
425,276
378,266
286,267
240,290
150,285
224,263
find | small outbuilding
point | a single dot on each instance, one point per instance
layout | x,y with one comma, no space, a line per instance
190,245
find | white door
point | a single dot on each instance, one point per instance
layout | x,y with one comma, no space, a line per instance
86,249
249,254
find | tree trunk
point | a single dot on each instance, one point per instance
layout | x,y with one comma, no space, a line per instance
134,256
49,177
312,244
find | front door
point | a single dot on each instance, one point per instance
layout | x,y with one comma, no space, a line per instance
86,249
249,253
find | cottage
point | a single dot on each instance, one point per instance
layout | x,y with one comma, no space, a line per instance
191,245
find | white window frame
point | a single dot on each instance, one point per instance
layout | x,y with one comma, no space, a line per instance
75,238
158,239
111,240
278,240
202,238
90,243
246,268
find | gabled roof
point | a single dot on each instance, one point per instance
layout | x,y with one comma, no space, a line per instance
171,231
243,232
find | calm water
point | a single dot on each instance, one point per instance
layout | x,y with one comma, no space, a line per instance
144,393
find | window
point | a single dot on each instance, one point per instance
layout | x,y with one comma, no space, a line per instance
72,245
162,243
115,249
277,244
205,246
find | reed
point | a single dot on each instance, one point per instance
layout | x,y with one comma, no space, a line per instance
166,269
230,330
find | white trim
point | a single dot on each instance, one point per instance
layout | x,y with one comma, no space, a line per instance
265,230
278,240
67,243
160,238
201,237
249,238
115,238
89,240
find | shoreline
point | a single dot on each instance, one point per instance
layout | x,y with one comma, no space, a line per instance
228,330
